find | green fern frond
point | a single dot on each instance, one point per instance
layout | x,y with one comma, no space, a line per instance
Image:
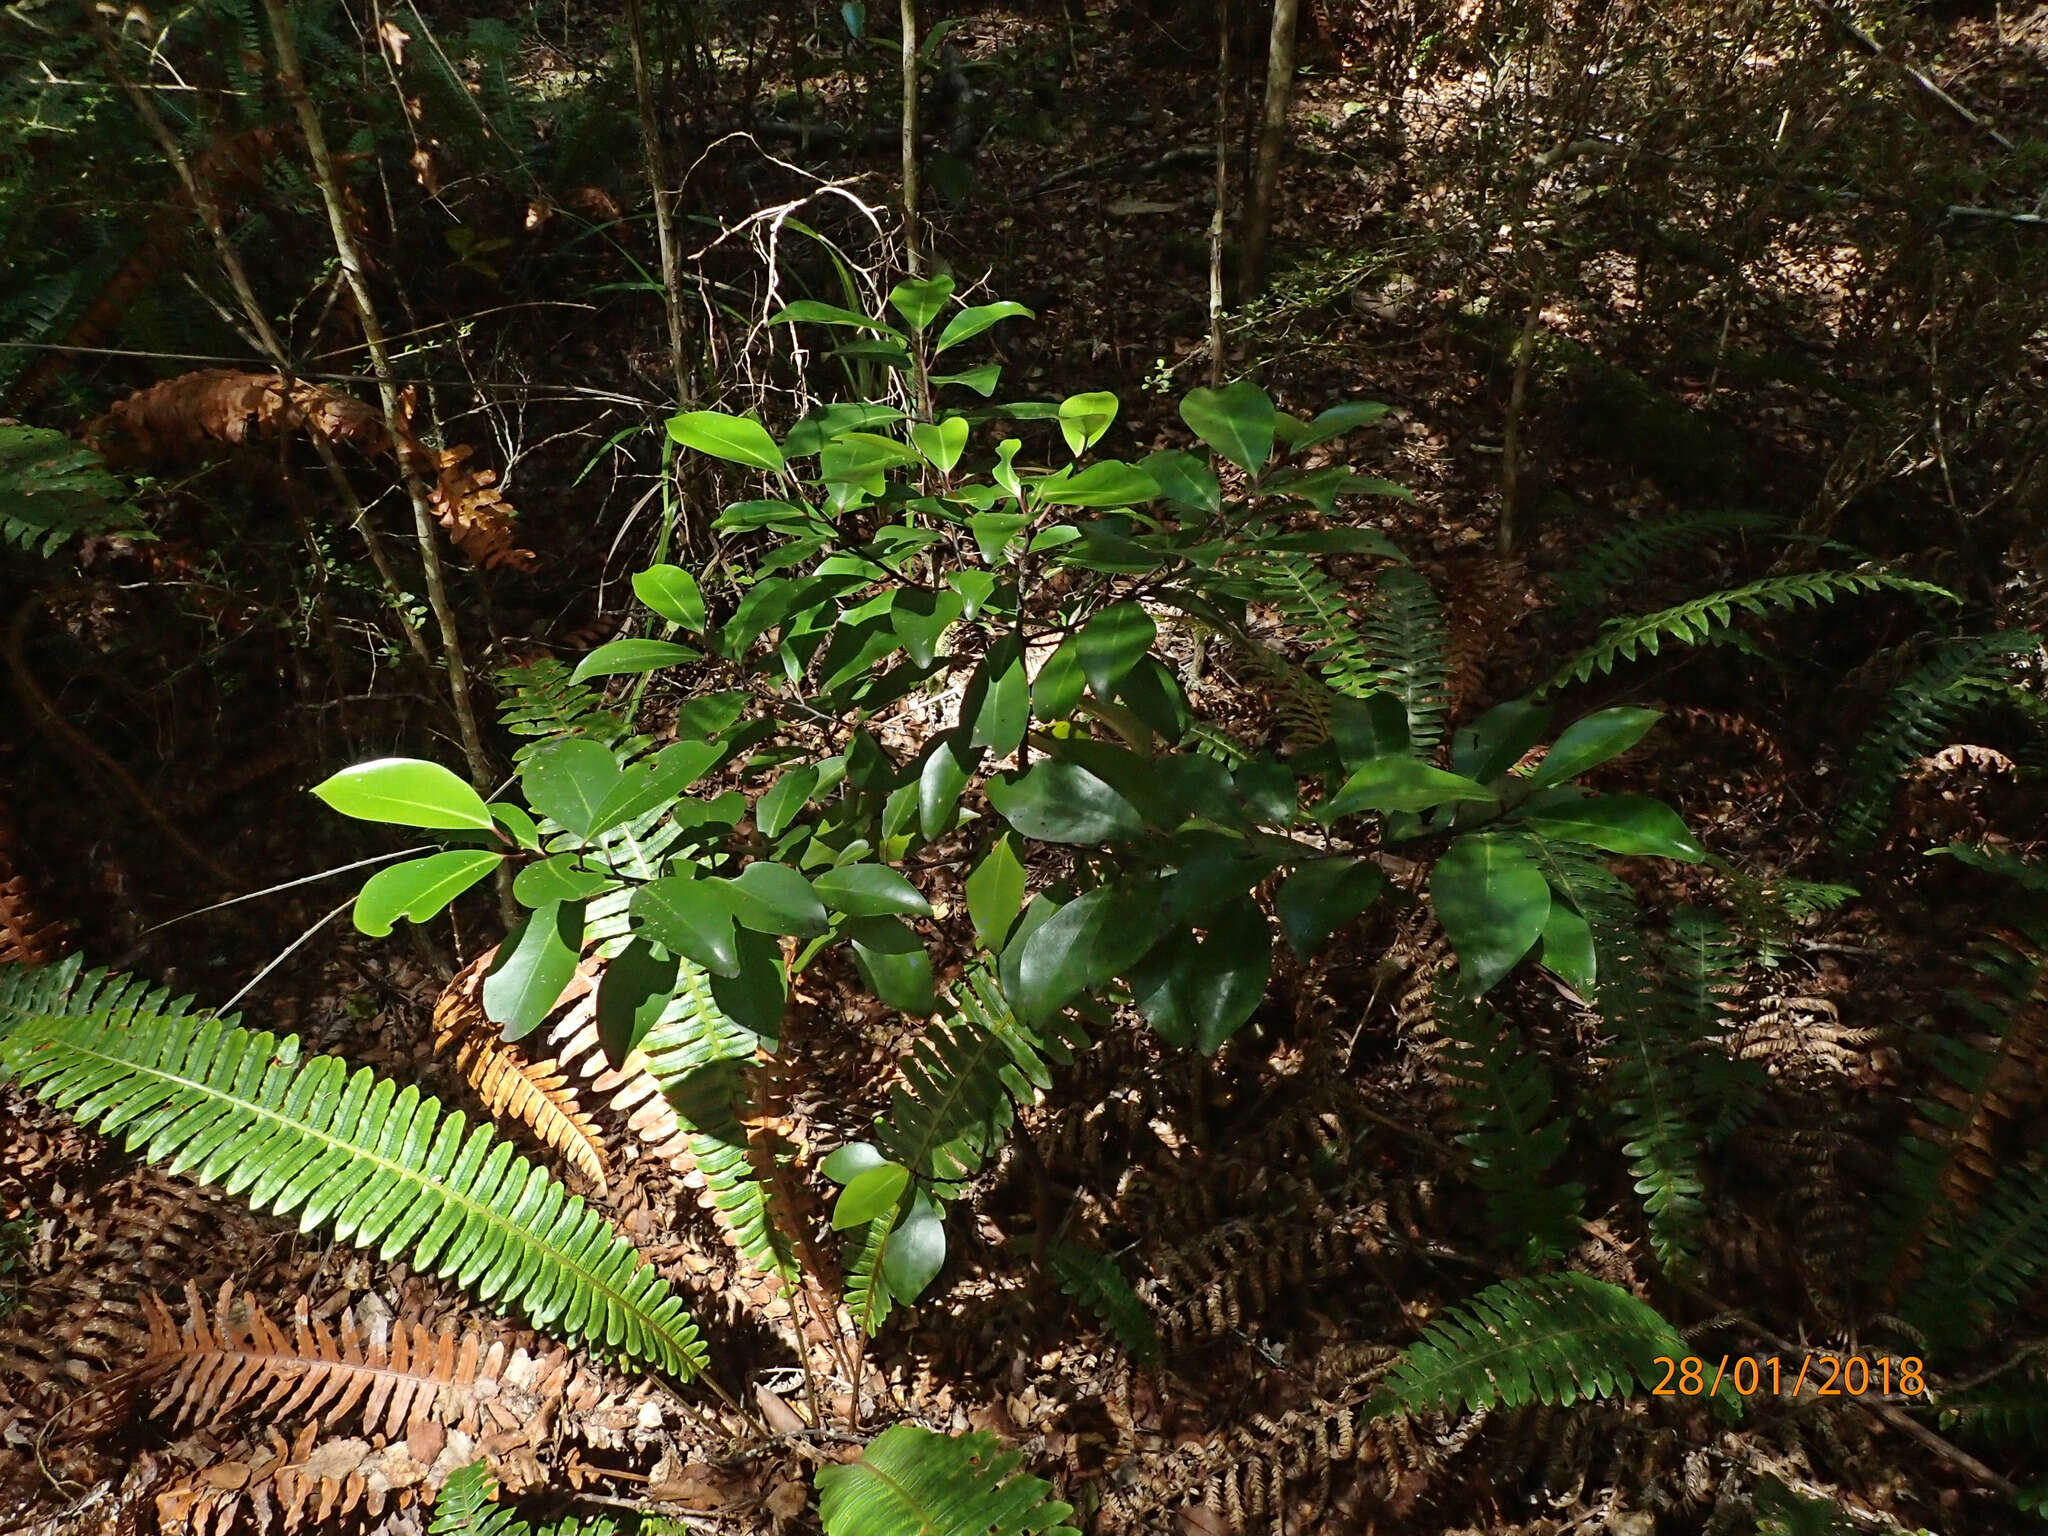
1915,721
1704,618
1405,635
913,1482
1315,607
1554,1339
1300,700
1502,1095
1986,1263
542,699
1094,1280
467,1506
704,1062
1625,557
53,490
959,1086
1766,912
383,1167
869,1300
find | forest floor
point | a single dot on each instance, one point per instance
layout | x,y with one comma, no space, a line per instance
1295,1206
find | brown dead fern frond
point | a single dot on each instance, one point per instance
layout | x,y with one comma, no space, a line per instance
512,1084
189,418
26,937
389,1380
1485,599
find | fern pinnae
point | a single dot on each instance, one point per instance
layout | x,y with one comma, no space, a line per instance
1624,557
386,1168
1410,650
1552,1339
911,1481
1095,1281
1703,619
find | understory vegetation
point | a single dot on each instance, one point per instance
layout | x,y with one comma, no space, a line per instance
1054,768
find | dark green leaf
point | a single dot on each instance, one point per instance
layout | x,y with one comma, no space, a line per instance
1112,642
754,998
981,380
1201,993
997,703
560,878
1058,802
893,962
869,890
569,780
419,888
785,797
1317,899
708,714
830,314
919,300
1568,946
1334,422
1154,695
1400,784
1268,788
1184,479
1592,740
632,993
1059,684
1109,483
534,964
1082,945
994,532
1238,421
1493,901
1626,824
691,917
1498,739
849,1162
920,617
975,319
405,792
995,891
773,898
916,1253
939,782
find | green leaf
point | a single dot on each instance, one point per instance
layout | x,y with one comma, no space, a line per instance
1625,824
1109,483
997,703
972,321
994,532
869,890
893,962
773,898
975,589
756,997
419,888
560,878
1568,946
1498,739
920,617
691,917
819,427
916,1254
919,300
1113,642
673,593
1060,683
941,442
1184,479
738,439
656,782
405,792
1268,789
1317,899
849,1162
981,380
632,993
1059,802
1154,695
1082,945
1401,784
1238,421
939,782
995,894
536,961
785,797
1320,488
1590,741
831,314
516,823
870,1193
569,781
1084,418
1334,422
1201,992
1493,901
623,658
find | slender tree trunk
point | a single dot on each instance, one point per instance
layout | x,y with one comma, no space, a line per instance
912,235
1511,437
664,224
294,81
1222,190
1258,221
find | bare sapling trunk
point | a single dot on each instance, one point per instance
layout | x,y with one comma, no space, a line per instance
1258,221
912,235
1222,190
